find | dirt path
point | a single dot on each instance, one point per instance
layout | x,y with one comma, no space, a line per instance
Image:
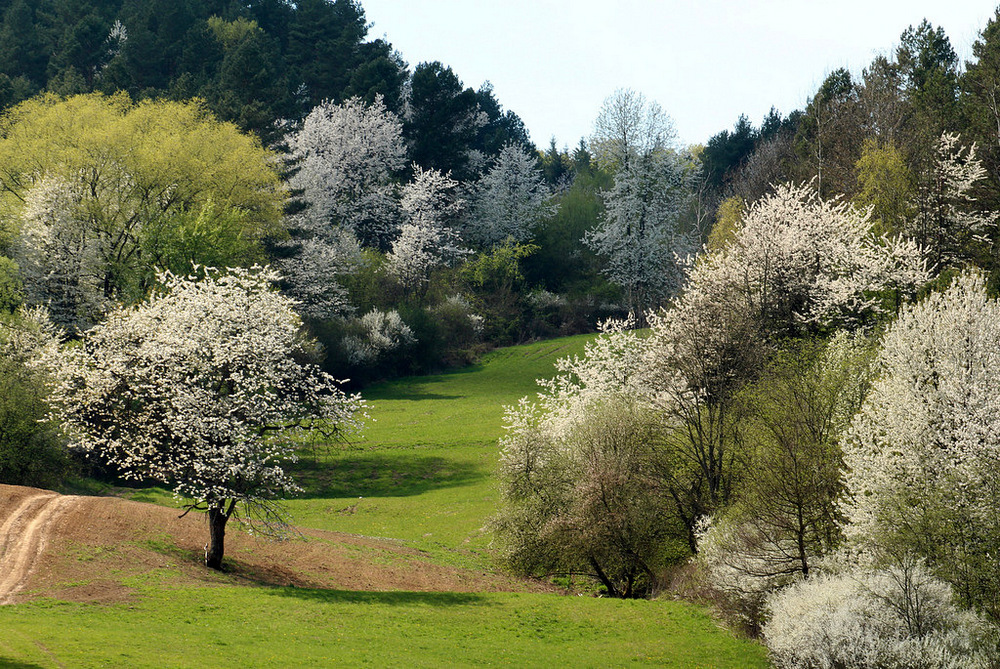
23,537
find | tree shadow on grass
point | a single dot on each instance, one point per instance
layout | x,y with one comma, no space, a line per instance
7,663
393,474
412,387
390,597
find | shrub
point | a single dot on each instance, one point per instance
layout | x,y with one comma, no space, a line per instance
31,450
898,617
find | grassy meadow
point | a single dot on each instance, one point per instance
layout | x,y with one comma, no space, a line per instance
421,474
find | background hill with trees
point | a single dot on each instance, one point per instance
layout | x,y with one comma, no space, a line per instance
790,408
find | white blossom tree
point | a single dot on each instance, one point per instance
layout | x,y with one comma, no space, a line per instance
59,257
923,454
947,220
798,259
200,386
346,156
640,236
427,238
312,261
581,491
510,200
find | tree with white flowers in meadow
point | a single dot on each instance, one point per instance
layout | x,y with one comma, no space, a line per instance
202,386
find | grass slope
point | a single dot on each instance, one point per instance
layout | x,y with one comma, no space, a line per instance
423,470
423,473
295,627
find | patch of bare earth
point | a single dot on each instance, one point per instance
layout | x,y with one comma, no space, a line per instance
98,548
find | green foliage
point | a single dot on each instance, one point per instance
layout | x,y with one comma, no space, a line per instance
212,235
727,151
785,507
441,125
592,503
886,185
728,219
297,627
246,60
498,285
32,452
929,66
826,141
11,289
230,33
562,263
158,183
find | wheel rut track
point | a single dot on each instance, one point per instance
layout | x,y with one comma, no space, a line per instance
23,537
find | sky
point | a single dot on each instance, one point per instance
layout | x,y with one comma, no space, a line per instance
553,62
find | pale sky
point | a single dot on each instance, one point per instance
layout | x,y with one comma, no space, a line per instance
553,62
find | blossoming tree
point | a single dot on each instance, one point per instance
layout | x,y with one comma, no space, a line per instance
510,200
923,454
200,386
430,204
346,156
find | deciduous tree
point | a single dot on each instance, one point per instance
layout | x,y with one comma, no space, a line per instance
640,236
201,386
580,488
98,191
346,156
426,240
923,454
510,201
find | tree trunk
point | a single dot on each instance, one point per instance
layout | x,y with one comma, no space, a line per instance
216,547
612,590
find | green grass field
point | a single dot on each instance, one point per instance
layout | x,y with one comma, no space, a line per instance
422,473
290,627
423,469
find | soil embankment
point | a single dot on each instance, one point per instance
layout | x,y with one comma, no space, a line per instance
102,548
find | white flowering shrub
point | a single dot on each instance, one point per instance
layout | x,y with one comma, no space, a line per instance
200,386
947,221
378,333
798,259
745,565
426,239
581,485
899,617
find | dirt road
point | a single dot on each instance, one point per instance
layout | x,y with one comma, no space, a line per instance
23,536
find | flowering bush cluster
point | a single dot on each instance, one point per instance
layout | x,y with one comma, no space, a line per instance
899,617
